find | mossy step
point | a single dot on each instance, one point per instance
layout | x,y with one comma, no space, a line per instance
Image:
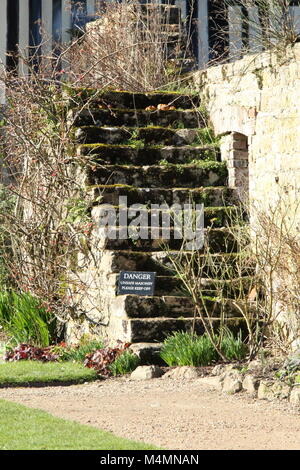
150,155
218,265
175,306
170,13
209,196
236,288
183,65
157,329
156,176
138,118
129,100
152,135
176,46
137,238
213,216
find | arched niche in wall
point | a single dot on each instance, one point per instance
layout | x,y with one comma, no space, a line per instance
234,150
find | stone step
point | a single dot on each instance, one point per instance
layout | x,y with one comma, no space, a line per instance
157,329
230,288
170,13
183,65
215,217
177,46
136,136
130,100
137,118
175,307
219,240
189,176
148,353
127,154
160,263
209,196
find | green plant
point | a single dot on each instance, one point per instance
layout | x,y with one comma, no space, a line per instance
25,320
233,347
78,353
206,137
186,349
177,125
125,363
134,140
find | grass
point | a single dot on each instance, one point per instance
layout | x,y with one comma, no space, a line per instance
35,372
124,363
22,428
186,349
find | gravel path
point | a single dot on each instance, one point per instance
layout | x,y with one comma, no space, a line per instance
171,414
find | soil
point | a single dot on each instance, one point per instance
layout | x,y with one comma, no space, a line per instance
171,414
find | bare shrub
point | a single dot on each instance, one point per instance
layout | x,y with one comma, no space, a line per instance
46,240
48,223
132,46
256,278
276,245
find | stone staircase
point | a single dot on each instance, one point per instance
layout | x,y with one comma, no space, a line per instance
126,147
170,33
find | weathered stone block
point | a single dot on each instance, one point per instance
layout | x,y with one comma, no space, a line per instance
146,373
295,396
183,373
250,385
232,382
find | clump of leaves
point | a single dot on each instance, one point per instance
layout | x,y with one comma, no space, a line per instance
78,353
25,320
30,353
206,137
291,367
187,349
124,363
233,347
101,359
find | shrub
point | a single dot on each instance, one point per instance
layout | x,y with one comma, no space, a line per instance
125,363
7,202
25,320
186,349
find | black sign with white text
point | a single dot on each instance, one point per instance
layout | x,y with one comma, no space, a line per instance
136,282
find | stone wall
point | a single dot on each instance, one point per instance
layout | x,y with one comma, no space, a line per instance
258,98
253,104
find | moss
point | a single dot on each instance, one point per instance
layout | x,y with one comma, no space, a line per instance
111,186
259,76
